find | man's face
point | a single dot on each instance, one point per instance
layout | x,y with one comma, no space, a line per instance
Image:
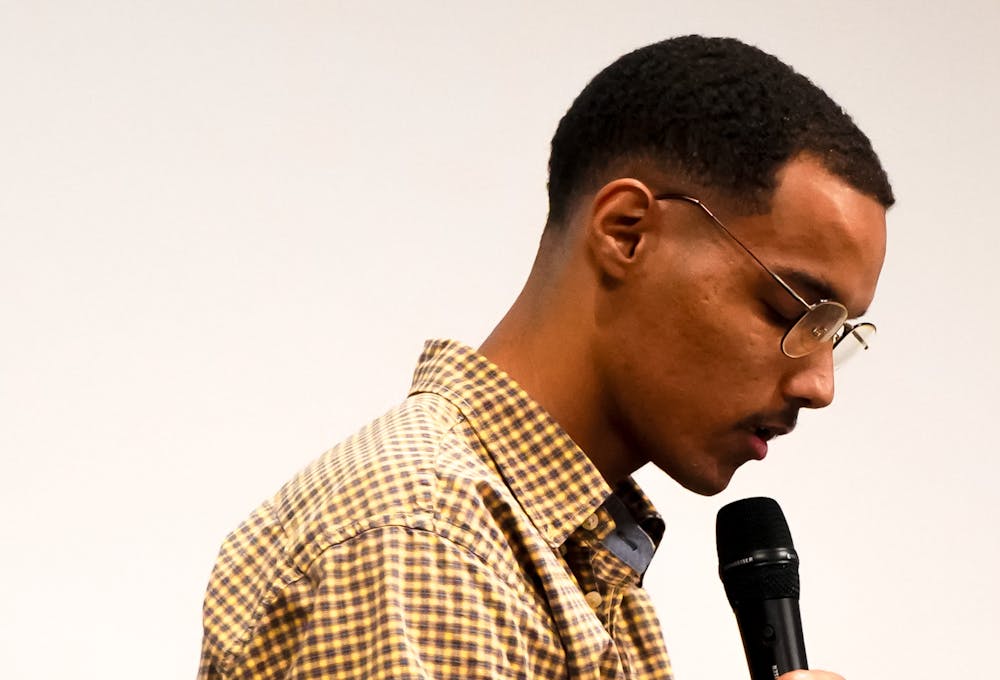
689,347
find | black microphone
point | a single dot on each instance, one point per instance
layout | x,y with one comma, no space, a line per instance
760,570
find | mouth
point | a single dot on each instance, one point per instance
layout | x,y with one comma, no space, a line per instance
762,433
766,433
773,427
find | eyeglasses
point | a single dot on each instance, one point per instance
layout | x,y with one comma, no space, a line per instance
820,323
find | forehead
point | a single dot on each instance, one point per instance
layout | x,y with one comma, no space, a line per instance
822,235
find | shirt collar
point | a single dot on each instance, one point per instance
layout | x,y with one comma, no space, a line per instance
553,480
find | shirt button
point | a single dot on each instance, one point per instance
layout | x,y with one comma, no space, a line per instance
593,598
590,523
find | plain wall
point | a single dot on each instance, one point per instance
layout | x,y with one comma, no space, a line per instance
226,229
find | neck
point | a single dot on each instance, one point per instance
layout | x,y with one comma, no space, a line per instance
544,342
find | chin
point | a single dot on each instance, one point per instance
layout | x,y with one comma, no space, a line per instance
702,483
708,489
696,469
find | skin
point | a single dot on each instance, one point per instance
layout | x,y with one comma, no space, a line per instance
651,337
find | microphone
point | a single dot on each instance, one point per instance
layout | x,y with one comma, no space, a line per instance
760,571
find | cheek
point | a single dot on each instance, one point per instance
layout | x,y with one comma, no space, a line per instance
703,359
658,359
711,331
689,341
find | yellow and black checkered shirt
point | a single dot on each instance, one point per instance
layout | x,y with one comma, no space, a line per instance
461,535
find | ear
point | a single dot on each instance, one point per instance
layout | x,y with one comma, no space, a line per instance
623,215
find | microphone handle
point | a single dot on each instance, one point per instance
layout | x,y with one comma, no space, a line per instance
772,637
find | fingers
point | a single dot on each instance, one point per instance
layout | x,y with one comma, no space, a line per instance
810,675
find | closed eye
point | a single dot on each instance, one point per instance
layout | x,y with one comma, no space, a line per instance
779,316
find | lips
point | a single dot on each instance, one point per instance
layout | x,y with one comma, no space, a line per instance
763,432
758,445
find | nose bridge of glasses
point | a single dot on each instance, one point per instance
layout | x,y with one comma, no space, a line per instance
854,340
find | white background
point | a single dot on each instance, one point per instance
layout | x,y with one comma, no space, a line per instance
226,229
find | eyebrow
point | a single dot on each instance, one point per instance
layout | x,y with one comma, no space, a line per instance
812,287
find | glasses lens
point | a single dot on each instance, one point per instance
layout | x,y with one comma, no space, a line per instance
856,340
816,327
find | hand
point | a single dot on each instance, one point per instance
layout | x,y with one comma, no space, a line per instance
810,675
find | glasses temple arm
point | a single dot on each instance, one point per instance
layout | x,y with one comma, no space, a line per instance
778,279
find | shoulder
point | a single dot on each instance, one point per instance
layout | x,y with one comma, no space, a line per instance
414,492
420,467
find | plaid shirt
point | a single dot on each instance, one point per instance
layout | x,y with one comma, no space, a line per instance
461,535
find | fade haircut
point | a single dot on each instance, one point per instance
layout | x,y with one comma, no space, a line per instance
717,112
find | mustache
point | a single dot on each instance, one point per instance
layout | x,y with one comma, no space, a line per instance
777,422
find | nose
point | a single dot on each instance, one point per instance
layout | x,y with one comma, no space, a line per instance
809,380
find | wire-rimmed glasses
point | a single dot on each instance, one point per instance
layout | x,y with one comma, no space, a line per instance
822,322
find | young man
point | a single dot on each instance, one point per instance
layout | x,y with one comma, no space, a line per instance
714,221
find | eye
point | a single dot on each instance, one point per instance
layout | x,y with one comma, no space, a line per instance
780,315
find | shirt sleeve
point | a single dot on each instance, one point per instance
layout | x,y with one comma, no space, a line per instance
401,603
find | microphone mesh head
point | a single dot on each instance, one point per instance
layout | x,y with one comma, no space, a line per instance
746,527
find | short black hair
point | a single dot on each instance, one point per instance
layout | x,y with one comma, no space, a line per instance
719,112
